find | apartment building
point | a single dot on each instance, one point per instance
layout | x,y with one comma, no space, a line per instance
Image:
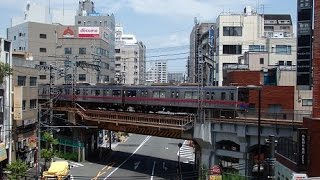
5,106
176,77
157,72
249,31
130,59
25,103
202,41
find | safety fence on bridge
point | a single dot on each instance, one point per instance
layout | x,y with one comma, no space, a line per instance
174,122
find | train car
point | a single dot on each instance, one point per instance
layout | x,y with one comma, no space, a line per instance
227,99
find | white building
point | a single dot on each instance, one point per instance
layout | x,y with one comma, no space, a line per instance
43,14
240,33
158,72
130,58
5,103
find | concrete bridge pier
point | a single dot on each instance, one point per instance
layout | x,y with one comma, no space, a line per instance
204,155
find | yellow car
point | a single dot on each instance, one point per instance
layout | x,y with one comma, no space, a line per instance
58,170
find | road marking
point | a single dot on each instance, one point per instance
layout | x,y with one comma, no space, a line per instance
154,165
136,164
100,173
71,177
143,142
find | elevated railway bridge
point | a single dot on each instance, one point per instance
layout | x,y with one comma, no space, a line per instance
229,133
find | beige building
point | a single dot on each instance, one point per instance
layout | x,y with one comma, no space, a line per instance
130,59
25,105
240,33
63,46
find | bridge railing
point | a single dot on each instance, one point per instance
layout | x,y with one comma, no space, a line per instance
174,122
292,115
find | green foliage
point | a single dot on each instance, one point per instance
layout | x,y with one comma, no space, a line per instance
18,169
49,152
5,70
68,156
232,176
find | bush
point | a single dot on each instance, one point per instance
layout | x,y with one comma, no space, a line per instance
68,156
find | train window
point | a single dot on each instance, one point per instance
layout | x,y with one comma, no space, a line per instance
131,93
191,95
172,94
208,96
232,96
85,92
156,94
213,96
159,94
188,95
177,95
106,92
98,92
77,91
67,91
162,94
116,92
194,95
223,95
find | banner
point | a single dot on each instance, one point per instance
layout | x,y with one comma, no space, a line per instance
89,32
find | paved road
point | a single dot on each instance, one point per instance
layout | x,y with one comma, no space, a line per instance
139,157
144,157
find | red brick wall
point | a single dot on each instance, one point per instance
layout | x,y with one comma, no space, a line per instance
283,95
314,146
316,61
242,78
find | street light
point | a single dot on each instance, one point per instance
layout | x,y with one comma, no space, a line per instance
254,87
180,173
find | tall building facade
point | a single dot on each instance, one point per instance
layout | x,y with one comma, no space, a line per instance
175,77
6,102
130,59
240,33
202,41
85,48
25,113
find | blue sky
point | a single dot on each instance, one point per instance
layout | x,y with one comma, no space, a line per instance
158,23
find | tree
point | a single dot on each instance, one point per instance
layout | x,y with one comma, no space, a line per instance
49,152
5,70
18,169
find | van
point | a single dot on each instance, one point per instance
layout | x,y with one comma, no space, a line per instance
296,176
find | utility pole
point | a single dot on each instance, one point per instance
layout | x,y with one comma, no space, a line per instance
199,64
271,160
74,81
51,92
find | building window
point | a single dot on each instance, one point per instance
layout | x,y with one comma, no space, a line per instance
82,51
79,22
42,77
232,31
268,28
1,103
289,63
33,104
283,49
306,102
24,102
105,23
261,60
43,36
256,48
281,63
33,81
14,37
82,77
67,50
22,80
43,50
43,63
117,50
232,49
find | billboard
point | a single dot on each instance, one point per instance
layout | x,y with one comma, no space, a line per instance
89,32
302,149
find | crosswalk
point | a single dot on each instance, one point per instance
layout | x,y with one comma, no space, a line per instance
186,152
75,164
